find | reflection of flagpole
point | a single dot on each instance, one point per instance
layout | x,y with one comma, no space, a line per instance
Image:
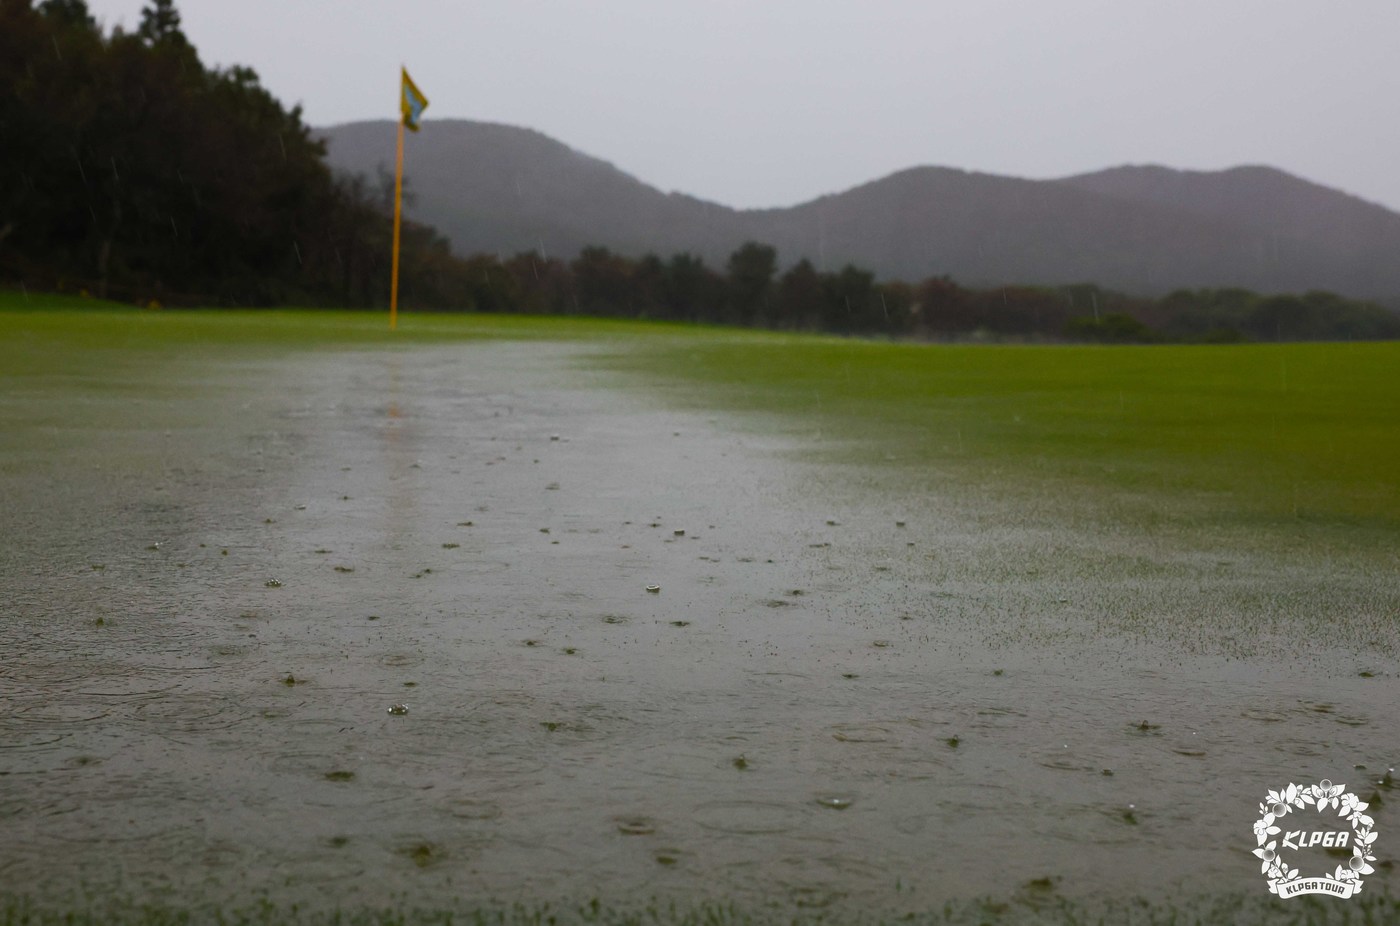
398,208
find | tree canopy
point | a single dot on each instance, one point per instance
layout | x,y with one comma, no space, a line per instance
133,170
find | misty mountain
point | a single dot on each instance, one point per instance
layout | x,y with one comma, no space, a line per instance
1139,229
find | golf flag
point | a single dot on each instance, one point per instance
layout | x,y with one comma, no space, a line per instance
411,101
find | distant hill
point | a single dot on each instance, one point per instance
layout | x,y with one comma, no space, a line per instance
1143,230
500,189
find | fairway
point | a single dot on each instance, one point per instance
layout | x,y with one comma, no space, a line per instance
1276,432
965,633
1303,432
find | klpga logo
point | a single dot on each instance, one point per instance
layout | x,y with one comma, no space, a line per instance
1286,880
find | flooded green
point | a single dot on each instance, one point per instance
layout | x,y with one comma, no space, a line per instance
508,622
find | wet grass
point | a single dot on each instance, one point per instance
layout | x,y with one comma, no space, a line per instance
1251,436
1037,904
1263,432
1168,423
30,330
1293,431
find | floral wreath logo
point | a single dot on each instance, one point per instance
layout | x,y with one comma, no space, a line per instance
1286,881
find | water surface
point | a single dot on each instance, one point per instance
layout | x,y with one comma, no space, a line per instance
855,689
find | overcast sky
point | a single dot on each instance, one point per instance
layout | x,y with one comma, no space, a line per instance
772,102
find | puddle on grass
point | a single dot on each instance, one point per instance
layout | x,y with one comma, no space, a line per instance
749,818
792,722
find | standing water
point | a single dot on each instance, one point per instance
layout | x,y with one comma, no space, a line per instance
469,624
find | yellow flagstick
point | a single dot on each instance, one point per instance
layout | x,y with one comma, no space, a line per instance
398,210
412,102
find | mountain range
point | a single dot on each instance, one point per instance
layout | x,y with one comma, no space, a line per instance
1143,230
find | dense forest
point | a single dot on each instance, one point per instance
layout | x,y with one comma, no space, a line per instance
132,171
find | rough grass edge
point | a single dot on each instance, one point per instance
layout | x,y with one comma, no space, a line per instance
1051,910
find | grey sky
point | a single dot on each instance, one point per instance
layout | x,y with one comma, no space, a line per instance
754,103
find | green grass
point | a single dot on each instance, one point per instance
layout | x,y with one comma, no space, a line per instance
1295,431
1273,433
91,324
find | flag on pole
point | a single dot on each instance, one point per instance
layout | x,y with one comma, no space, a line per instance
411,101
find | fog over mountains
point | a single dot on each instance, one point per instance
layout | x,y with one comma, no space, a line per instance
1143,230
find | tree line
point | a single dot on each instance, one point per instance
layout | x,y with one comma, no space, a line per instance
749,290
133,171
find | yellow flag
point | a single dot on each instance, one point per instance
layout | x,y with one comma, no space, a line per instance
412,102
